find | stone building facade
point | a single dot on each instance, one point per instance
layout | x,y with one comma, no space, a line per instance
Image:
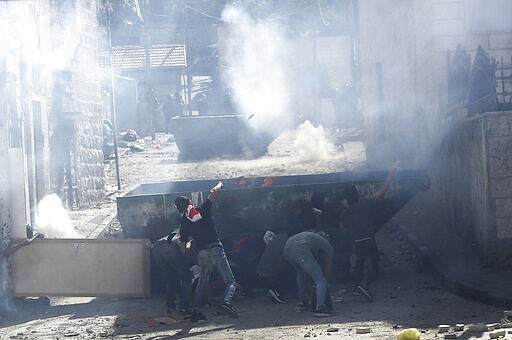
77,106
51,112
407,74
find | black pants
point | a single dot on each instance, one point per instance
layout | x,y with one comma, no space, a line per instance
343,249
284,282
366,255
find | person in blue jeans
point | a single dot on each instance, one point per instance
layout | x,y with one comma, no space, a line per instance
175,266
304,251
197,227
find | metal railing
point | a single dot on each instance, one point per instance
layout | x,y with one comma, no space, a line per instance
134,57
504,83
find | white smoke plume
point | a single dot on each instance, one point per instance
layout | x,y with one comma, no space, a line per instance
266,80
311,143
24,36
53,220
256,68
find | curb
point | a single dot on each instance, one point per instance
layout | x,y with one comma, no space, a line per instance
99,231
455,286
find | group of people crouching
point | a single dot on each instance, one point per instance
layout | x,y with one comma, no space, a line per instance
308,252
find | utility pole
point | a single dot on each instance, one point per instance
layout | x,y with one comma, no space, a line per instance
186,77
112,92
149,88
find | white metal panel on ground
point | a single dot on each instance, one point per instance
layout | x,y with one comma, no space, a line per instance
83,267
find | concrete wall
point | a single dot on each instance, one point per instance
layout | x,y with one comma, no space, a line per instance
10,137
5,218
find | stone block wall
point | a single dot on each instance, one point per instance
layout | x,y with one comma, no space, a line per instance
498,129
83,99
474,183
91,176
459,183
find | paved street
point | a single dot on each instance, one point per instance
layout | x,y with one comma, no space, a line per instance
406,295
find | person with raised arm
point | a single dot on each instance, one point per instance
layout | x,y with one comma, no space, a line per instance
198,228
361,220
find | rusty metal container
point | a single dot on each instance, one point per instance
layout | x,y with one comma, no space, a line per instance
248,206
254,204
203,137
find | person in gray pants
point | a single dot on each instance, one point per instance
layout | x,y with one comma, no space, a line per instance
304,251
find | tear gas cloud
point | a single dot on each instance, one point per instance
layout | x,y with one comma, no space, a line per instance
53,220
311,142
259,69
412,110
23,37
255,68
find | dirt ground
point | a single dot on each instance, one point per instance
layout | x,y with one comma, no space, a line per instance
406,295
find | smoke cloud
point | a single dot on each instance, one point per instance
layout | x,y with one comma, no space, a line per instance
53,220
311,143
267,81
255,69
23,36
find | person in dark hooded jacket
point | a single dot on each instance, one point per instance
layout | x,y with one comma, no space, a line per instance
198,227
362,219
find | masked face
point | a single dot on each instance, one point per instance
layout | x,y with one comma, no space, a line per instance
268,236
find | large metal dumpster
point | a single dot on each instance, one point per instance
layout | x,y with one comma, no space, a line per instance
248,206
201,137
254,204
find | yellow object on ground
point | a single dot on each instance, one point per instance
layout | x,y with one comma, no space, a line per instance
409,334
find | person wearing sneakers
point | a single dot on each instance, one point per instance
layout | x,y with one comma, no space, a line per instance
304,251
198,227
273,269
175,267
362,219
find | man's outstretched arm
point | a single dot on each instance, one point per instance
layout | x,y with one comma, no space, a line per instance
386,184
213,191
